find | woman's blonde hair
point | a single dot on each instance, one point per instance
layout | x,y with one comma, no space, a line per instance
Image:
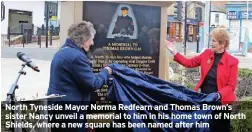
221,34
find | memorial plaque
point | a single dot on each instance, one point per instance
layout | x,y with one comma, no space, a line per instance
126,34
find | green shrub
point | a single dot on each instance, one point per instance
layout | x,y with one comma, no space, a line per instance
245,72
244,83
190,85
243,125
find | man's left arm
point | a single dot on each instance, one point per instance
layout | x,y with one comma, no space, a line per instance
131,26
232,81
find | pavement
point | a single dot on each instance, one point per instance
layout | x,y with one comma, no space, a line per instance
35,84
245,62
31,84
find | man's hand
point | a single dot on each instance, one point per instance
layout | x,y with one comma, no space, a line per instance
109,70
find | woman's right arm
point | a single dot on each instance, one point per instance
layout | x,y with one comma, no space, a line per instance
186,62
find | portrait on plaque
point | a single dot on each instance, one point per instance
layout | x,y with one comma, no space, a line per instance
123,23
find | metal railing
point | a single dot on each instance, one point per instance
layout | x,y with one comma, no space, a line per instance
30,34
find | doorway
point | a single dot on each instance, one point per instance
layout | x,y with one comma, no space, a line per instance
17,17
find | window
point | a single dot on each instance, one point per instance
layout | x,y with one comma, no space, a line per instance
217,18
190,30
177,29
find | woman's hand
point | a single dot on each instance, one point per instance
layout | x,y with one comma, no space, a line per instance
219,96
171,47
109,70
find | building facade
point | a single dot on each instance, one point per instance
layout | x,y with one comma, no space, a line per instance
175,28
32,12
17,12
238,18
239,15
218,16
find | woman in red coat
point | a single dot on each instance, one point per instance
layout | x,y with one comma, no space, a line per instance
219,69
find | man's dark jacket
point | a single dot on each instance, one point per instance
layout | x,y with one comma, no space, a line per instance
71,74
